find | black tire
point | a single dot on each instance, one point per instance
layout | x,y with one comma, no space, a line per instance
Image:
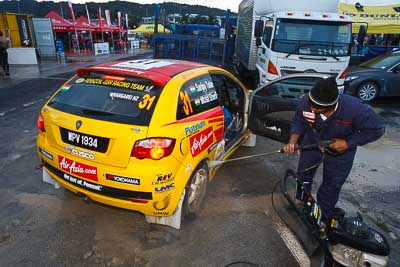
368,91
196,190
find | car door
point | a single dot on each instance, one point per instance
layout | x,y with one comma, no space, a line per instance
232,99
272,106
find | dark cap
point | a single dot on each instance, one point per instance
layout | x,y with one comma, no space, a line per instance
325,92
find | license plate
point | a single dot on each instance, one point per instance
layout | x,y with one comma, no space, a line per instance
91,142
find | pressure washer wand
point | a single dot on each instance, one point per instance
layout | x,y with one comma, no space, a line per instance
321,145
219,162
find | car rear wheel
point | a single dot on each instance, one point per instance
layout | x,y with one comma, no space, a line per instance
196,190
368,91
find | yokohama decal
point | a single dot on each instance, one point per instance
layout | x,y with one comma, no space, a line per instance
201,141
73,167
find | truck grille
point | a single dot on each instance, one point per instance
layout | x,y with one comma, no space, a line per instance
286,72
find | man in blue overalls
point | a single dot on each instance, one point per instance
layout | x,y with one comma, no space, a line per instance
324,114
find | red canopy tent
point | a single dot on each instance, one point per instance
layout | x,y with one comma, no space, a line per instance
102,24
82,24
58,23
115,28
106,28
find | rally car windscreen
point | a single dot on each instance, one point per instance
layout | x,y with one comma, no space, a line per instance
122,101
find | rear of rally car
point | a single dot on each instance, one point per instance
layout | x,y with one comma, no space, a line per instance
93,139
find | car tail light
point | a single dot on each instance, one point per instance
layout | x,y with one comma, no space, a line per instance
344,74
271,68
40,123
153,148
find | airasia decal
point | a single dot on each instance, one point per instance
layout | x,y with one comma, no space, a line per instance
73,167
200,141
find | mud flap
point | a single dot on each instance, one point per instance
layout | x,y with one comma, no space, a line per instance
174,220
251,141
47,179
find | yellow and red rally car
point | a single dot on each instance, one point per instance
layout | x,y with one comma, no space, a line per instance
136,134
140,134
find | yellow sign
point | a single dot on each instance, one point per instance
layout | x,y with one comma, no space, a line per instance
149,28
120,84
380,19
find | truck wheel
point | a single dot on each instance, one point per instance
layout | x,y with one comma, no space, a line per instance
196,190
368,91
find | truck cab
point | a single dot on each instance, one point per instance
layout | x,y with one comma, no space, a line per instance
302,42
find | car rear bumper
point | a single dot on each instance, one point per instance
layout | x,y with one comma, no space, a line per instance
157,194
119,199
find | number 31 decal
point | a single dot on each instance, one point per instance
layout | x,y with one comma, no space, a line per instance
147,101
187,106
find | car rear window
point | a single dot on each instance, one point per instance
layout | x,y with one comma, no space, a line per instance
114,99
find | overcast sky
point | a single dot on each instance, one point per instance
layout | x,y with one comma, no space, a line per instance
222,4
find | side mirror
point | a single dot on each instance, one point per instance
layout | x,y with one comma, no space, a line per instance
258,41
258,28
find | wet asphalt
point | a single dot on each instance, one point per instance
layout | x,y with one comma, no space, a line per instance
44,226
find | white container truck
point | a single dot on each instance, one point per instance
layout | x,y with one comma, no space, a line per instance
278,38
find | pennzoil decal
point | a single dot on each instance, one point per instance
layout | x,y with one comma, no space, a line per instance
119,84
201,141
194,128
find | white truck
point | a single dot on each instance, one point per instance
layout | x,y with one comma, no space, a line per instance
278,38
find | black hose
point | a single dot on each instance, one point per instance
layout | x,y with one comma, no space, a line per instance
277,212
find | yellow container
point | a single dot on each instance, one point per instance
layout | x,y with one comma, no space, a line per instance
9,26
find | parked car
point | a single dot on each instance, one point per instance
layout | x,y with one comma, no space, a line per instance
376,77
140,134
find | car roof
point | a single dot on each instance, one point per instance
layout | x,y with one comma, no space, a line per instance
160,71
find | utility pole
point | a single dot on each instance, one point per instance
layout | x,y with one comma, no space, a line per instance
62,12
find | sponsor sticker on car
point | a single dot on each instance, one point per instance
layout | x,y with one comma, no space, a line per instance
122,179
77,168
201,141
161,189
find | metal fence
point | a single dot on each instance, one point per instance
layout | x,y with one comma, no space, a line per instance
187,47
